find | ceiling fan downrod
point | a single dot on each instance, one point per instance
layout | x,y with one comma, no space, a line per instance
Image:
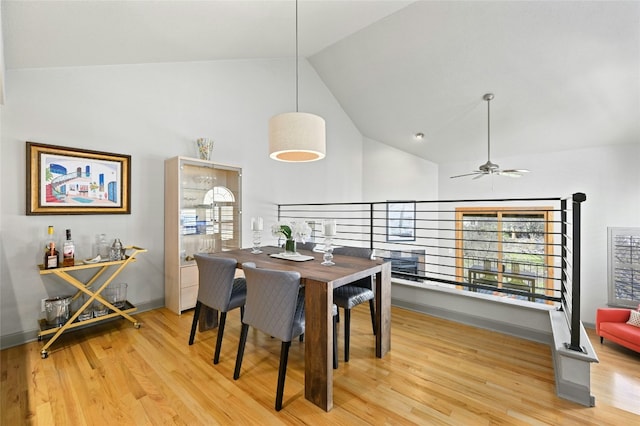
490,168
488,97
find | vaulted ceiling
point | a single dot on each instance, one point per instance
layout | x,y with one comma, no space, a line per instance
565,74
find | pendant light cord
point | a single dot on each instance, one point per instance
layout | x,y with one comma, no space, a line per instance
297,56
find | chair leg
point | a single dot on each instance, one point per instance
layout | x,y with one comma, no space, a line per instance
241,312
282,372
347,333
223,320
243,340
335,342
372,308
601,339
194,324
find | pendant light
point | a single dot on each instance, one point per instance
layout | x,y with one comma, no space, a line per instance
297,136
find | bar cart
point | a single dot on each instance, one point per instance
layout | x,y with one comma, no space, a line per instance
93,295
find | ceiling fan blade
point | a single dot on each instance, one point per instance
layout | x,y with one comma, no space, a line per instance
515,171
509,173
480,175
467,174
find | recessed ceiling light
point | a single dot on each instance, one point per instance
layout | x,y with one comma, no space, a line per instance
419,136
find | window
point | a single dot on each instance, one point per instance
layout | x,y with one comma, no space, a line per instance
222,199
505,248
623,266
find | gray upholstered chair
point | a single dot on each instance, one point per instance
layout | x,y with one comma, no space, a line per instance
309,245
350,295
219,290
275,306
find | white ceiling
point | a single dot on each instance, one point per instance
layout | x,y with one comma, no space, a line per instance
566,74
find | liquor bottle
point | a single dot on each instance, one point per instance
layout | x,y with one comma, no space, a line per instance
68,251
50,238
51,257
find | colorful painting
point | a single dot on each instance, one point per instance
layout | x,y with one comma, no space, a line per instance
63,180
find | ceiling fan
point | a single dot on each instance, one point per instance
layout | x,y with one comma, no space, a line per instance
490,168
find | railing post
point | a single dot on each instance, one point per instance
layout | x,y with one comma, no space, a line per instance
371,226
576,199
563,250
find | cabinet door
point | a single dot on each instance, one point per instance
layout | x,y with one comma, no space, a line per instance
209,211
188,287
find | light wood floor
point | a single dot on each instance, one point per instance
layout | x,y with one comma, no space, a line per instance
437,372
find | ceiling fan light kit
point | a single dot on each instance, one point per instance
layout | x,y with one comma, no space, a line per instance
490,168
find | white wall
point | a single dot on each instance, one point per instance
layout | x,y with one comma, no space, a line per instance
391,174
154,112
610,178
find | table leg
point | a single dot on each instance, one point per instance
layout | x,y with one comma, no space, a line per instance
318,348
208,319
383,310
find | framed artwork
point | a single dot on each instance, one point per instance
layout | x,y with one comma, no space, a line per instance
62,180
401,221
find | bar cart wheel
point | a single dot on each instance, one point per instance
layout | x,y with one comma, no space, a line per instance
137,325
44,354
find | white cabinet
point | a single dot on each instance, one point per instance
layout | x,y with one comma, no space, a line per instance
202,214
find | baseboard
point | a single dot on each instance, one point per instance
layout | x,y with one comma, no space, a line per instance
477,321
21,338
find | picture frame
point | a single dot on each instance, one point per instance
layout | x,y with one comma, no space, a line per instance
401,221
63,181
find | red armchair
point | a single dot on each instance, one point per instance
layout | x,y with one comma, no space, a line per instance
611,323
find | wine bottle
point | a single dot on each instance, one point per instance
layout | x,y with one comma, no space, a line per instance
51,257
68,251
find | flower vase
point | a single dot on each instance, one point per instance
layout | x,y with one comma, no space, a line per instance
290,248
204,147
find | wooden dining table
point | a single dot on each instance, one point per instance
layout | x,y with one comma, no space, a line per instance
319,281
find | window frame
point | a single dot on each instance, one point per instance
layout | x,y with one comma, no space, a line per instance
546,212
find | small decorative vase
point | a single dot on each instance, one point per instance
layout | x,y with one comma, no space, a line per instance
290,247
205,147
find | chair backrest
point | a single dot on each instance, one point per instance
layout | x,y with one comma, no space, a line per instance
309,245
215,277
363,252
272,300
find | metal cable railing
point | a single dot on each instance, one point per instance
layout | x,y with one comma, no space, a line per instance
518,248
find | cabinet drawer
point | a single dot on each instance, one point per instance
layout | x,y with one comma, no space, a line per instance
188,297
188,276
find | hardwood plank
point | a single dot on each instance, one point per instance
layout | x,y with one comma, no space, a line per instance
438,373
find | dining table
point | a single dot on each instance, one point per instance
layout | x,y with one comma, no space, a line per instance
319,281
